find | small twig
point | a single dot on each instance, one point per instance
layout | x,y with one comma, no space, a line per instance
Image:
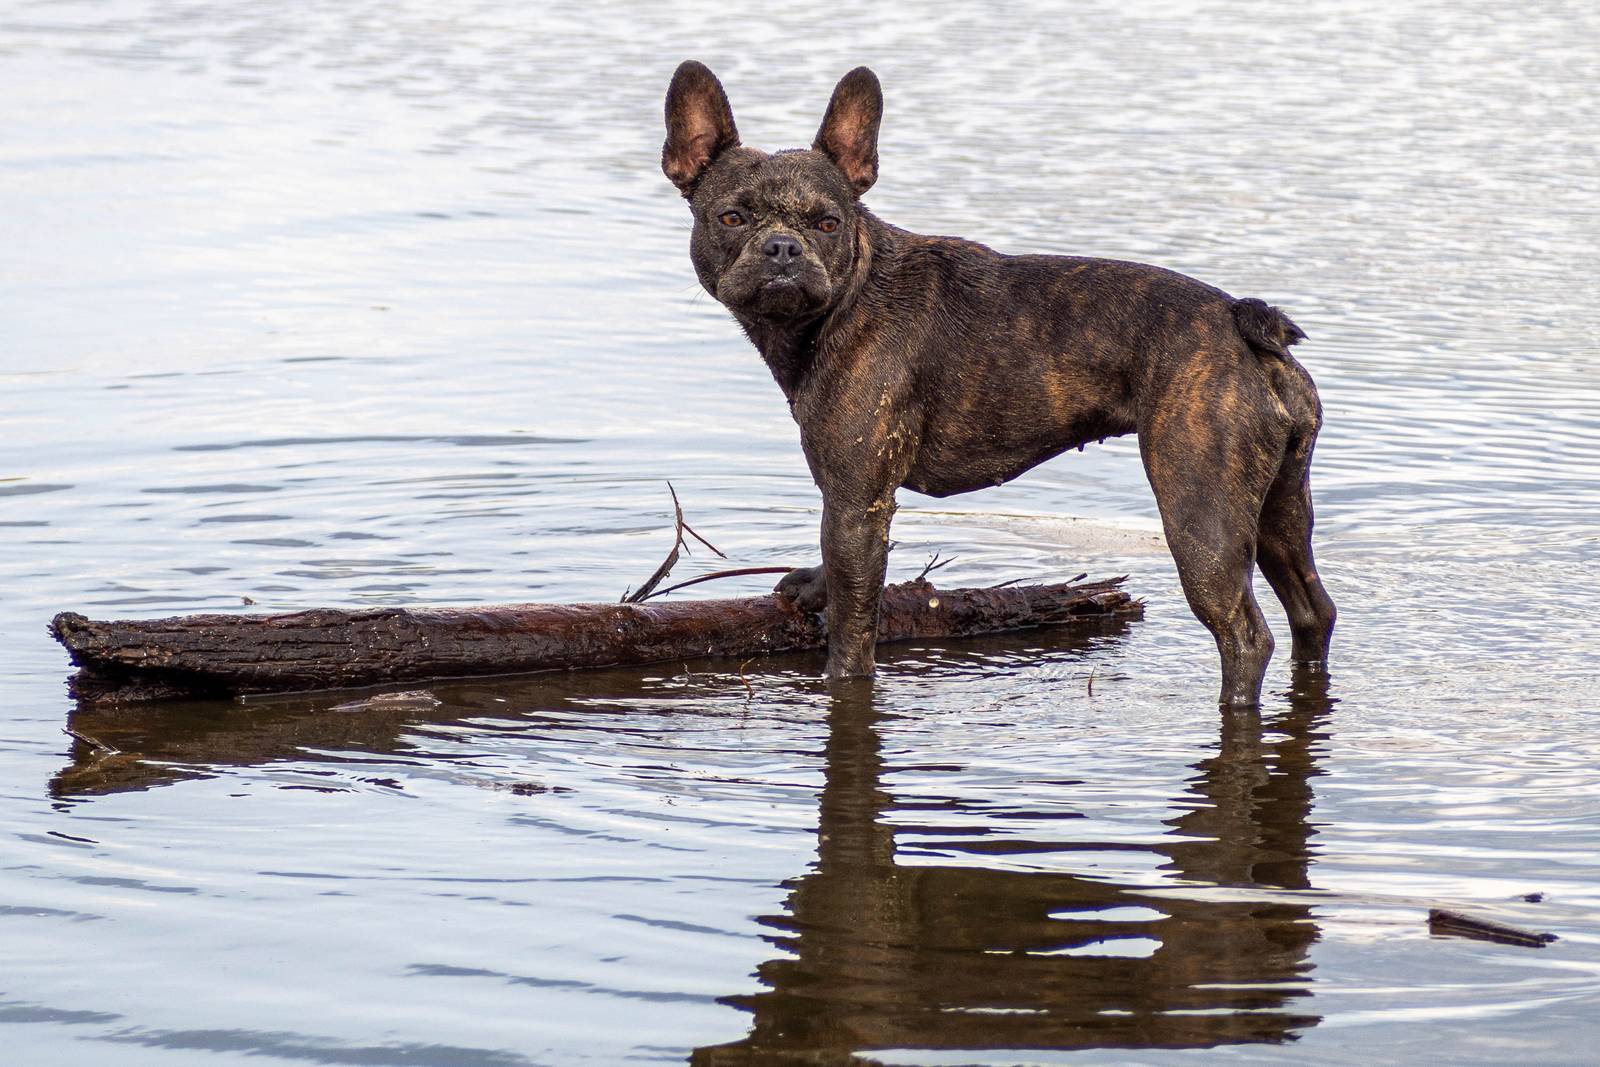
672,557
703,541
748,688
92,742
1091,680
1014,581
736,572
933,565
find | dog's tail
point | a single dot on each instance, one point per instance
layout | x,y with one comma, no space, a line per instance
1265,328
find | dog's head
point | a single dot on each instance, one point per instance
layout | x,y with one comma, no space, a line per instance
776,237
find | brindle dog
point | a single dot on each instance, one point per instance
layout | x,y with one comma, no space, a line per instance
940,365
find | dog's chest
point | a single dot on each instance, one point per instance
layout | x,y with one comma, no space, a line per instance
992,438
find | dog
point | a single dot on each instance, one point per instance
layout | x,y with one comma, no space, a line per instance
939,365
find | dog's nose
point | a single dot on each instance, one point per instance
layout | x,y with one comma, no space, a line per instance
781,249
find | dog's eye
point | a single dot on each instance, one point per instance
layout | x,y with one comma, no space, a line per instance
731,218
827,224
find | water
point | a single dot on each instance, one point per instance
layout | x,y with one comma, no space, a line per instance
389,304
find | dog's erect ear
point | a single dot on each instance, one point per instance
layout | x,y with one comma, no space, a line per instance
849,133
699,124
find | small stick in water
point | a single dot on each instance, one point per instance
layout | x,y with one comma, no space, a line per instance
1457,924
93,742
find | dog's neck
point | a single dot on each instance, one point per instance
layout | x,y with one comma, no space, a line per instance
790,348
786,348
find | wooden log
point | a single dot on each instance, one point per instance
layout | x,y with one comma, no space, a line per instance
231,655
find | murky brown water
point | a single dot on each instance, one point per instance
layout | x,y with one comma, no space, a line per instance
389,304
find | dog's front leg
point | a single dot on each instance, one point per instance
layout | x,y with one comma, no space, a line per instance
859,428
855,551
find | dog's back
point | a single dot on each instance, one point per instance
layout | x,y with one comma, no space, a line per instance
1016,359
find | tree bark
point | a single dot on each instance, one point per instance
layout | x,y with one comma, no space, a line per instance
229,655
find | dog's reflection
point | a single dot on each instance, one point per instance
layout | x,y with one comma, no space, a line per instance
882,955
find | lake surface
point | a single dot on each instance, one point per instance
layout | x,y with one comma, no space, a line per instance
375,304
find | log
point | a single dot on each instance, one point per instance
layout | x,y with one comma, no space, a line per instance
235,655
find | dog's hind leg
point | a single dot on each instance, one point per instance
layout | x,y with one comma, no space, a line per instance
1284,553
1210,476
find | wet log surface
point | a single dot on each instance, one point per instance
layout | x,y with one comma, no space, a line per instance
231,655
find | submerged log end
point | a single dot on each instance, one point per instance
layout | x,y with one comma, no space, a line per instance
100,679
89,686
1444,922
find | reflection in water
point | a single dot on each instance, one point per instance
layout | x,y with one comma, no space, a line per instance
892,951
121,748
890,956
118,749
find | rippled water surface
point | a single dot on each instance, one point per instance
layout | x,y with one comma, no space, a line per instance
351,304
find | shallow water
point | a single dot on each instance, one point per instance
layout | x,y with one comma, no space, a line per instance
388,304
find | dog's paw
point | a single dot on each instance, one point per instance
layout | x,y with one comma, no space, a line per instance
806,586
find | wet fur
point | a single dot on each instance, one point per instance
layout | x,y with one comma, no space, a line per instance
942,366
